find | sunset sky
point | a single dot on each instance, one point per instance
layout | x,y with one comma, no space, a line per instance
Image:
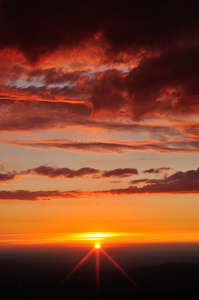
99,120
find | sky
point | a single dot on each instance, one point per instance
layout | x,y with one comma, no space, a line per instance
99,106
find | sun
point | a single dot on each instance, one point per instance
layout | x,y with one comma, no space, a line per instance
97,246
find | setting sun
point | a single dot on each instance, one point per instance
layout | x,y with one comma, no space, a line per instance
97,246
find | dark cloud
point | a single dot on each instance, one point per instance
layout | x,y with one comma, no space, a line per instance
179,182
108,91
62,172
53,172
30,115
26,115
125,172
144,181
152,24
139,181
38,27
157,170
113,182
7,176
138,127
166,84
37,195
86,171
164,35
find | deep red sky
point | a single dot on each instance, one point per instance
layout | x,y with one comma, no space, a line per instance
99,120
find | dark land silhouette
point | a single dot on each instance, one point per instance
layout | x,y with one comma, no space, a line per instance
162,272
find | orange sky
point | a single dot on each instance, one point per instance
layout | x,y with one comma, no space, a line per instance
154,218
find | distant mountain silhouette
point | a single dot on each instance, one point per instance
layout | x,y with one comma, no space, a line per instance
38,276
162,282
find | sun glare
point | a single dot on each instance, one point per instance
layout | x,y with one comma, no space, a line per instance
96,236
97,246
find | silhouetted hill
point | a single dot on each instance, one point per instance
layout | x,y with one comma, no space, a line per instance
36,275
167,281
168,277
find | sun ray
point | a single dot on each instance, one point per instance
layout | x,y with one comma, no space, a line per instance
97,268
120,268
77,266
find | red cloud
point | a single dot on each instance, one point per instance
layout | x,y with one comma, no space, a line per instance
179,182
136,94
120,172
68,173
38,195
53,172
108,91
162,81
118,147
8,176
62,172
143,25
160,85
28,115
165,84
23,115
157,170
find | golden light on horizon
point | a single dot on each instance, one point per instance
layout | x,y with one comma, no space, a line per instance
97,246
90,238
95,236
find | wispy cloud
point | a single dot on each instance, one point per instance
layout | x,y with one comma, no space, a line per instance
157,170
117,147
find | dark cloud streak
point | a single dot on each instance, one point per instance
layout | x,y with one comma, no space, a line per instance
120,172
62,172
120,147
53,172
179,182
157,170
37,195
7,176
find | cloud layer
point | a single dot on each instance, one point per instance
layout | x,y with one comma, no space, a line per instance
66,24
148,54
53,172
179,182
117,147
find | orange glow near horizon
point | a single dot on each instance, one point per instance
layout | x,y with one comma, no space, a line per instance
108,239
93,236
107,220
